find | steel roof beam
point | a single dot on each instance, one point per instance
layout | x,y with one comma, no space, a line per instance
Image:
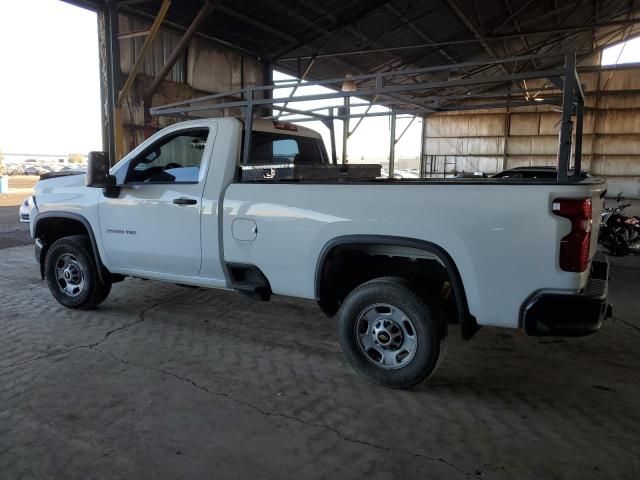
573,28
255,23
570,7
341,62
462,16
418,32
348,28
330,31
507,4
512,15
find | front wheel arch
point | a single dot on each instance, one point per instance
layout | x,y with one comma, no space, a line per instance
51,226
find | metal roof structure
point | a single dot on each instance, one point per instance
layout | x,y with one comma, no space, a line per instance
490,48
339,37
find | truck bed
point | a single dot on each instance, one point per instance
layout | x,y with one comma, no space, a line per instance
501,233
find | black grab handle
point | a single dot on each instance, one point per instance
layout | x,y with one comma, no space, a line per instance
184,201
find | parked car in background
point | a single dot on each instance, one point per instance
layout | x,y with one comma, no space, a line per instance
471,175
399,174
24,211
545,172
35,170
14,169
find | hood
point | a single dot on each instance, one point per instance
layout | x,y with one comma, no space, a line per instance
47,183
49,175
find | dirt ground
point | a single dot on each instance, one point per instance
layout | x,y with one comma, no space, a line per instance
167,382
12,232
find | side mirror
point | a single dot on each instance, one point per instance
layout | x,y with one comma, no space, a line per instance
97,169
98,174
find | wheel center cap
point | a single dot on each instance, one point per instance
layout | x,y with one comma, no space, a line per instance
67,275
383,337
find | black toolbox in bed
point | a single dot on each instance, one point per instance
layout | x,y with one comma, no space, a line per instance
293,172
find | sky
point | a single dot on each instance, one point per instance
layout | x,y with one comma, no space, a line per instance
50,97
49,78
360,147
626,52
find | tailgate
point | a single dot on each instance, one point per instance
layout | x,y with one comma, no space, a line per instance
597,205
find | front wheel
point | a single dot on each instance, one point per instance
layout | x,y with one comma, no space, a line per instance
72,274
390,335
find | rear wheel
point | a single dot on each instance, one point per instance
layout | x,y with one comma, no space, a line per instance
389,334
72,274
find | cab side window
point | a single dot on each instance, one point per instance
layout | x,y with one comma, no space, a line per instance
176,159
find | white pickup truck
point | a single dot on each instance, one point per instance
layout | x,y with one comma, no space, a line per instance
395,260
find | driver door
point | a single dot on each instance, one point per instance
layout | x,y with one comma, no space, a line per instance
154,223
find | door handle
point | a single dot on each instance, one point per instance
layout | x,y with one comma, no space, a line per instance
184,201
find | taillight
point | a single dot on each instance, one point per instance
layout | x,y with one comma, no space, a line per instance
574,247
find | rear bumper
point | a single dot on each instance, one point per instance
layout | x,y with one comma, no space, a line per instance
570,315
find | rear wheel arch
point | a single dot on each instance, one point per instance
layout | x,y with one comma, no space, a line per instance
51,226
331,249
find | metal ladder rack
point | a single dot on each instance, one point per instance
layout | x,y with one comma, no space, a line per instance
394,89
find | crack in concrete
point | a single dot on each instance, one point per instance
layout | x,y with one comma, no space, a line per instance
141,318
627,323
13,447
336,431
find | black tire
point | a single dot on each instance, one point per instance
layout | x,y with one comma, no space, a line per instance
87,291
104,289
425,320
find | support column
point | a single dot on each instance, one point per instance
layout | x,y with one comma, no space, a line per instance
564,148
577,167
330,124
267,79
345,129
423,141
392,145
505,137
110,78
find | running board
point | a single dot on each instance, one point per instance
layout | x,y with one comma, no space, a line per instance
256,290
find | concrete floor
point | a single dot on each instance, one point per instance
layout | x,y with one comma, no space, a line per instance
167,382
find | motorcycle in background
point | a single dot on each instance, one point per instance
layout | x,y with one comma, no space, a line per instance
619,233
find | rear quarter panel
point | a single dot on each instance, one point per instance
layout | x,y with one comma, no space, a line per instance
503,238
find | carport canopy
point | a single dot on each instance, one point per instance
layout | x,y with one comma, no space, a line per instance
497,39
330,39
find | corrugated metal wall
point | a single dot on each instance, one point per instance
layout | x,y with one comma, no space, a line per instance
492,140
203,69
160,50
